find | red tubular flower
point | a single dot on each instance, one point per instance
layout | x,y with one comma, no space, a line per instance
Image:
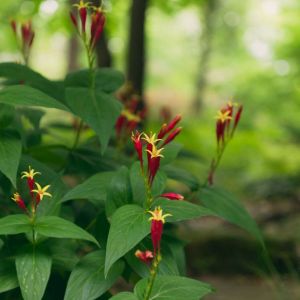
120,124
167,128
146,256
172,196
138,145
83,14
27,34
157,223
13,25
74,20
237,117
17,198
153,162
98,21
30,179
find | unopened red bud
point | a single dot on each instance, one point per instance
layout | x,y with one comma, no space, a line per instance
238,116
172,196
172,136
74,20
146,256
138,145
83,13
13,25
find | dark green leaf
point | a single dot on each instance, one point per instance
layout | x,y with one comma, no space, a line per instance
56,227
14,224
107,80
129,225
33,270
7,113
87,280
10,153
8,276
93,189
226,206
170,152
181,210
98,110
119,191
124,296
173,288
22,74
28,96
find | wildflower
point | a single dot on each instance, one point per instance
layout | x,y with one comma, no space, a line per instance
20,202
41,192
172,136
172,196
157,220
154,156
146,256
166,128
30,177
136,138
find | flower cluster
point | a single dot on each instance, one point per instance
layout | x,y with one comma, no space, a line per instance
154,146
227,121
37,193
224,127
157,222
96,14
24,36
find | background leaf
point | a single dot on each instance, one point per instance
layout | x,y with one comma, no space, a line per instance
10,154
28,96
87,279
8,276
124,296
33,270
98,110
129,225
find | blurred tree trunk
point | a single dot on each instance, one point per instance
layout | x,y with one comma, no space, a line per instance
209,12
136,49
104,58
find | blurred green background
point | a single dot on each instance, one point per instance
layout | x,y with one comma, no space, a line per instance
199,55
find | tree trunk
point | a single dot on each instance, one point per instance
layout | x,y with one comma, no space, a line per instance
209,11
104,58
136,50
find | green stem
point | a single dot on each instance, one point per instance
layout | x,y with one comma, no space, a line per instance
153,273
77,137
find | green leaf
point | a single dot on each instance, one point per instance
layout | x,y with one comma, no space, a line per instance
10,154
119,191
129,225
182,176
181,210
56,227
226,206
8,276
124,296
21,73
98,110
170,153
93,189
15,224
107,80
7,114
138,184
28,96
173,288
33,270
87,280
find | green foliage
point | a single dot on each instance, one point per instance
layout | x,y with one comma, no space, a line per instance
14,224
33,270
129,225
8,276
173,287
87,279
56,227
10,153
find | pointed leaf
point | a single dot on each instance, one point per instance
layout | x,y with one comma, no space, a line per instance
226,206
129,225
87,280
97,109
10,154
33,270
15,224
8,276
56,227
93,189
181,209
124,296
173,288
28,96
